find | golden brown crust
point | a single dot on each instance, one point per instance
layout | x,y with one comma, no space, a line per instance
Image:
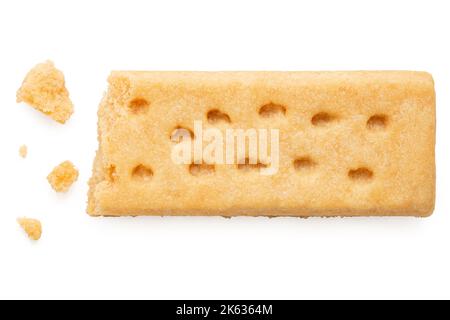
352,144
44,89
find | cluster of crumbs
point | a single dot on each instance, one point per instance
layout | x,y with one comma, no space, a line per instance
44,88
63,176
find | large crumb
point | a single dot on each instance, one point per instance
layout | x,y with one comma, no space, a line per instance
23,151
32,227
63,176
44,89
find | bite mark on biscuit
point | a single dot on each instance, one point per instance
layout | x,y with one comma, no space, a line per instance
377,122
361,174
142,172
215,116
201,169
272,109
322,119
304,163
138,105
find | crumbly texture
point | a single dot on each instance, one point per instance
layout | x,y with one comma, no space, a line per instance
23,151
63,176
351,144
44,89
32,227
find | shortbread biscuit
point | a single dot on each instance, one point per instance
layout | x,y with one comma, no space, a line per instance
32,227
63,176
44,89
350,144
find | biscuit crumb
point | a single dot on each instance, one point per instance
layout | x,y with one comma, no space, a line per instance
63,176
23,151
44,89
32,227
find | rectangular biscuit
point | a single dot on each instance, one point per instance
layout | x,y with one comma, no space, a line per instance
349,144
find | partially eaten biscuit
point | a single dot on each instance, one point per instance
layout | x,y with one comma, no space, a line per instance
63,176
44,89
32,227
341,144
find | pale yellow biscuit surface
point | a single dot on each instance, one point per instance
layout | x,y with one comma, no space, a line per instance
44,89
351,144
63,176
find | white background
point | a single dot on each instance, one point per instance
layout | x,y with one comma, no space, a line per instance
153,257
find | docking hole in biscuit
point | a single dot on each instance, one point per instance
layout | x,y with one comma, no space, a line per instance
272,109
111,173
304,163
180,133
215,116
377,122
360,174
142,172
322,119
246,165
138,105
201,169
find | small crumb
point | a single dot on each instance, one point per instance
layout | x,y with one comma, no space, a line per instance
45,90
63,176
32,227
23,151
